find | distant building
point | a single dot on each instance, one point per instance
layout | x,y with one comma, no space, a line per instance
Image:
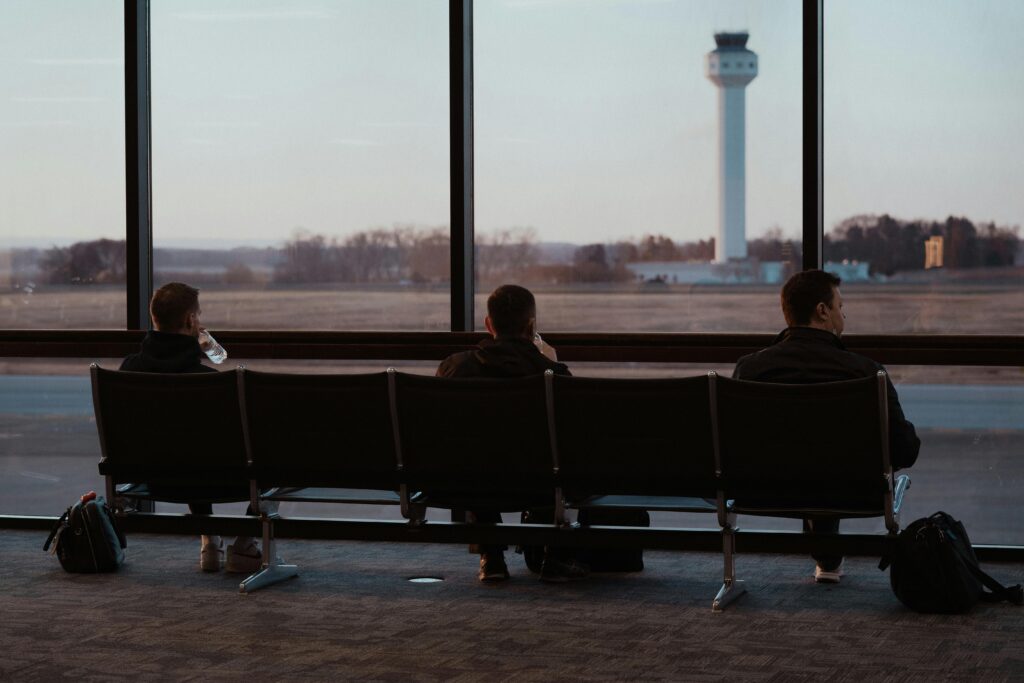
747,271
933,252
850,271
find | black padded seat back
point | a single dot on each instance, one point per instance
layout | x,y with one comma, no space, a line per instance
170,429
320,430
807,445
479,439
634,436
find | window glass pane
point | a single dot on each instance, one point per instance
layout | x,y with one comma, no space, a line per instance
598,159
49,448
971,424
300,161
923,138
62,164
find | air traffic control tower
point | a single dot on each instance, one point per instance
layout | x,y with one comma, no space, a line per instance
731,66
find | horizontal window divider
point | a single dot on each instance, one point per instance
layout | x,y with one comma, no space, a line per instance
977,350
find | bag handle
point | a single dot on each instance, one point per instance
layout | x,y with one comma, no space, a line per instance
56,529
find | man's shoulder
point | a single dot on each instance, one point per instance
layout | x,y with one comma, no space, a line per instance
138,362
804,359
460,364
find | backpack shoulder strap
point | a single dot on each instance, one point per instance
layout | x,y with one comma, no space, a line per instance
996,592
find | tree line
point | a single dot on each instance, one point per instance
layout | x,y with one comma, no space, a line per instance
892,245
408,254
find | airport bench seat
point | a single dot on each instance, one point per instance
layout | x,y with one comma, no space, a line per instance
698,444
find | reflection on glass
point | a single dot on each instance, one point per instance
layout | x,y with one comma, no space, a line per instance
922,163
62,178
604,135
300,161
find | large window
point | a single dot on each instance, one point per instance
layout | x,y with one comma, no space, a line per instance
597,160
923,138
62,181
300,161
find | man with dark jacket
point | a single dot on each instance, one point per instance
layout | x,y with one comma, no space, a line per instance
173,347
515,350
809,351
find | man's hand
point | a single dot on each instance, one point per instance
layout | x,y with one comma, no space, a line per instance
545,348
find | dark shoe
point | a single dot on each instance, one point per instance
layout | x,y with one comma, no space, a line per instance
493,568
561,571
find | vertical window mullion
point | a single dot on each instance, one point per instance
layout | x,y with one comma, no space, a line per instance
138,167
813,85
460,85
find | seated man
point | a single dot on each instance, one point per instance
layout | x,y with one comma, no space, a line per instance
516,350
173,346
809,351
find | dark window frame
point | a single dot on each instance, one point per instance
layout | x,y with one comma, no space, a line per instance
978,350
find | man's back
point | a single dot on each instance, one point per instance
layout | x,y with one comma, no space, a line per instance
804,355
167,352
505,357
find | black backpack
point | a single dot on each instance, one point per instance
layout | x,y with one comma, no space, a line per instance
934,569
86,539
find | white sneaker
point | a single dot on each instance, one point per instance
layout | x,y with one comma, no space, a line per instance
211,555
244,559
825,576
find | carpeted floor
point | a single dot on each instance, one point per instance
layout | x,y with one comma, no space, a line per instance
353,615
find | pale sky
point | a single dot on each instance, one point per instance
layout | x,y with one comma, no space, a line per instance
594,121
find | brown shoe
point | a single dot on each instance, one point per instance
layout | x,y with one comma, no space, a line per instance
493,568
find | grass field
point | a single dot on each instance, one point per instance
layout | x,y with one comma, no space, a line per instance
888,309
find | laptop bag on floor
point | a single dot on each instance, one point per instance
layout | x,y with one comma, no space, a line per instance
86,539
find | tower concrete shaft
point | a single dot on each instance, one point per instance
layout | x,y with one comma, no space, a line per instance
731,66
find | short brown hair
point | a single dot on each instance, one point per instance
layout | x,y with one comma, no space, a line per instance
803,292
511,308
172,304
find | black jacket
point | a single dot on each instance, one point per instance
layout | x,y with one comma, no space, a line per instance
804,355
506,357
167,352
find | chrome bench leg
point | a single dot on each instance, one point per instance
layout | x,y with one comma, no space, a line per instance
274,571
269,575
729,591
731,588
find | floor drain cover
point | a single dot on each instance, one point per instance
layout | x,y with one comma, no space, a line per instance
426,579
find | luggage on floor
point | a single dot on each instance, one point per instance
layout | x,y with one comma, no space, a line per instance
86,539
598,559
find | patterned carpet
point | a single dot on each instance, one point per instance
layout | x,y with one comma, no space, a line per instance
352,615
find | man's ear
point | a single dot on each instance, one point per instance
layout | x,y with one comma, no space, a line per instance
490,327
